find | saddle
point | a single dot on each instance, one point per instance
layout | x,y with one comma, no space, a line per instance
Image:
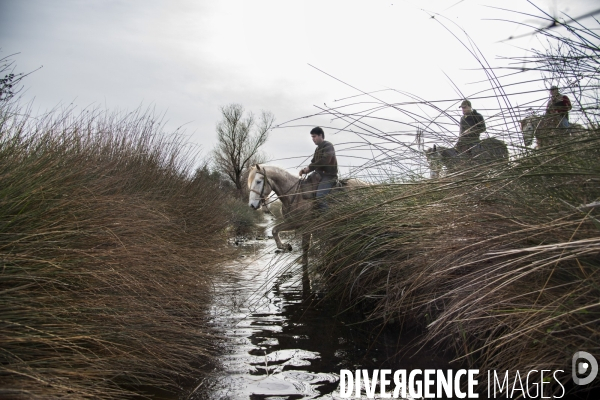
308,187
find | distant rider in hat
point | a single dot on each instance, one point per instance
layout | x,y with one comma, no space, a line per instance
325,163
471,126
559,104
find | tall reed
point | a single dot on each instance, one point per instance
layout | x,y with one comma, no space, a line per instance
498,262
108,244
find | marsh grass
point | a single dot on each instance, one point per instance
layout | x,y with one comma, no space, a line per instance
501,267
107,248
499,263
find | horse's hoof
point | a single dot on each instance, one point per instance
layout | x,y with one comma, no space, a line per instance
289,247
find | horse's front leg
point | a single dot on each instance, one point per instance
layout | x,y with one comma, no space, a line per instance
305,247
305,277
280,228
435,171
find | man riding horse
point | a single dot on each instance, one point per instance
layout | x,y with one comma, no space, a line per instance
553,127
324,163
471,126
469,149
296,207
559,105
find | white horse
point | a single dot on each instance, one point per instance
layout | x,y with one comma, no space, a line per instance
296,210
546,130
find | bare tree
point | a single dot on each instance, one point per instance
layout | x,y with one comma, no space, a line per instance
239,140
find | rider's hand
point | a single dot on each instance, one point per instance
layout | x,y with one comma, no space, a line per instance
301,172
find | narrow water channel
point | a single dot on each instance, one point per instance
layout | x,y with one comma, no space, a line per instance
283,341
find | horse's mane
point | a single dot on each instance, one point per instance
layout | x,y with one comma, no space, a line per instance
251,176
272,170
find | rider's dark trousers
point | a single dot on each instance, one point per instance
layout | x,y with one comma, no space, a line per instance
325,186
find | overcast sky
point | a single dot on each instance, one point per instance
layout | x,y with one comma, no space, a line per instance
187,58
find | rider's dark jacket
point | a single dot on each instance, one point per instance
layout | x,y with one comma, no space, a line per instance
324,161
559,105
471,126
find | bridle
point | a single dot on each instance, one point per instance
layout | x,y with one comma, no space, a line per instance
261,194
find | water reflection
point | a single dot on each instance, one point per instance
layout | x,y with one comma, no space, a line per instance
282,341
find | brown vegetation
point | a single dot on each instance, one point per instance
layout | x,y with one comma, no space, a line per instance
503,267
499,263
107,249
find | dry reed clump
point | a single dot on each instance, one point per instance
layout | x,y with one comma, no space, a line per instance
500,262
502,265
107,248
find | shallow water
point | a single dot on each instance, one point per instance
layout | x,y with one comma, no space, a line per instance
283,341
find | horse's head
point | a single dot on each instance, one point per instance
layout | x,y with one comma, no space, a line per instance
527,130
259,186
528,126
434,159
432,152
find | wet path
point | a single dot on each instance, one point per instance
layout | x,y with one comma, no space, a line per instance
283,341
